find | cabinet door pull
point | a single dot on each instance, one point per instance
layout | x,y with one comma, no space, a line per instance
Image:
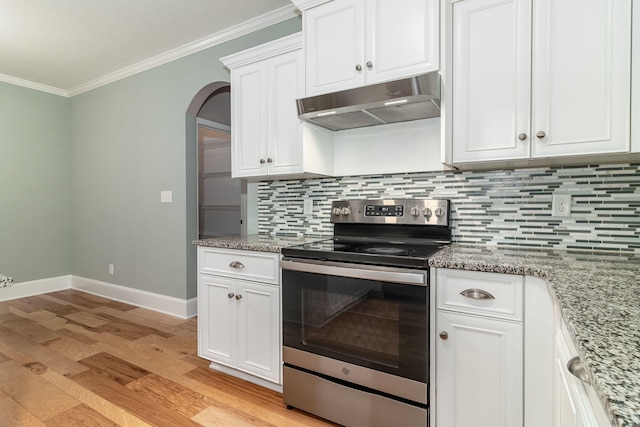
269,160
236,264
476,294
230,295
238,297
522,137
358,67
369,64
575,366
262,161
540,134
444,335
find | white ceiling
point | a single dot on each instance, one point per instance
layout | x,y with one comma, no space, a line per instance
69,46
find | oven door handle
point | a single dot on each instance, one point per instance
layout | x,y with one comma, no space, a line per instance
357,271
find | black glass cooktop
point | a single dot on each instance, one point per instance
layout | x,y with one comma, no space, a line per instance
379,253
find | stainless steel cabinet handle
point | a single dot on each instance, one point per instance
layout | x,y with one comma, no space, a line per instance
269,160
575,366
236,264
369,64
230,295
476,294
541,135
522,137
358,67
238,297
262,161
444,335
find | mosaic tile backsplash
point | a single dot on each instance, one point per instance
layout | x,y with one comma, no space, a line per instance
507,207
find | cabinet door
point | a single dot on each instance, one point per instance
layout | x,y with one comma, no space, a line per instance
581,80
401,38
491,80
249,126
572,407
217,319
334,46
259,330
479,372
286,84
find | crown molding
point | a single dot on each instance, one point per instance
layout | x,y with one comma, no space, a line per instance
32,85
271,18
261,52
258,23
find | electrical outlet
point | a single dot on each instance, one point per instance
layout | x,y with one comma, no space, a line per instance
110,268
561,205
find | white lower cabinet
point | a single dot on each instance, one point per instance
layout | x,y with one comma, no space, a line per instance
502,355
575,403
238,316
478,349
479,376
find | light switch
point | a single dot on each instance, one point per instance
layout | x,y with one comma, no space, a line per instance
166,196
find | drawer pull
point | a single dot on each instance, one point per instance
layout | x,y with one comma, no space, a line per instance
575,366
236,264
476,294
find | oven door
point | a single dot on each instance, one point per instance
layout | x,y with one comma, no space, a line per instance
368,316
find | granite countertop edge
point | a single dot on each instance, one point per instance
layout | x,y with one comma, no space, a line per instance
568,275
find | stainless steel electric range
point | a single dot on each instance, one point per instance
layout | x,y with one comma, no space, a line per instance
355,313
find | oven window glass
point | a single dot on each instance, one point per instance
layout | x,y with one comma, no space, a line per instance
380,325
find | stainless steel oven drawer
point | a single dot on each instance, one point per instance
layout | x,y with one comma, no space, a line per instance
347,406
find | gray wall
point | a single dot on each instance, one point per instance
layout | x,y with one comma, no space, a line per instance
128,145
35,184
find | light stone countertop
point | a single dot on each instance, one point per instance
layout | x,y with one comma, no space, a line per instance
256,242
598,294
599,297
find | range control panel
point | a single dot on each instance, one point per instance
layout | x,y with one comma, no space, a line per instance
395,211
382,210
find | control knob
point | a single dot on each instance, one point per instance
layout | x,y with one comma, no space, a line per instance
415,211
346,211
336,211
439,212
427,212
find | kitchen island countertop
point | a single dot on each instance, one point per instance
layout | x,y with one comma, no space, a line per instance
599,297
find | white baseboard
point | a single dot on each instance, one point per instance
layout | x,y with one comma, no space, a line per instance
157,302
35,287
164,304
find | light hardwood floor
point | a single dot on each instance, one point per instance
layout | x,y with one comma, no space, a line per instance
74,359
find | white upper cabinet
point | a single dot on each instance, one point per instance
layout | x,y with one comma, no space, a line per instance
581,77
491,79
538,79
266,134
351,43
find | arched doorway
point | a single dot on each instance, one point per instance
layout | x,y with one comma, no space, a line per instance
221,200
215,112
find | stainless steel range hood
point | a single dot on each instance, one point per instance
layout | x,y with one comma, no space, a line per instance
403,100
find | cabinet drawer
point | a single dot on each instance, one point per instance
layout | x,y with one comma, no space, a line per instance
487,294
248,265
